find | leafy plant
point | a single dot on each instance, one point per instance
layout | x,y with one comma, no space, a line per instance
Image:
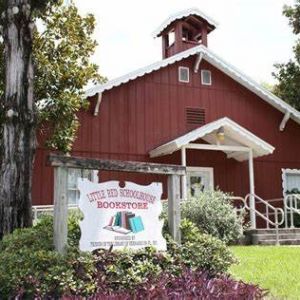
213,213
29,268
189,285
288,74
62,52
200,251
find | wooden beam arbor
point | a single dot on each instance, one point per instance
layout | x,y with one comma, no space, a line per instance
61,164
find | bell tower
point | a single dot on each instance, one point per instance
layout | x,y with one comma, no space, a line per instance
184,30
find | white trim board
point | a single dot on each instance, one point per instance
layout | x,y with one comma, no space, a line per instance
214,60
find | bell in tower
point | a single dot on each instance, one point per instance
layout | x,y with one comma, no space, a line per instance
184,30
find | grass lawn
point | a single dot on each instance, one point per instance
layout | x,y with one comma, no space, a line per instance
273,268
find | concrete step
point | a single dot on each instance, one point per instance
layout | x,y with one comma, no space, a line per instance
268,236
273,230
281,242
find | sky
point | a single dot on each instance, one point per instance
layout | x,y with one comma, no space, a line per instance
252,34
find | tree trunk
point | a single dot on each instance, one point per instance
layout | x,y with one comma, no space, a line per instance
17,136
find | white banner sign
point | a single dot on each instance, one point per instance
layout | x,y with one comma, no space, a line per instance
124,217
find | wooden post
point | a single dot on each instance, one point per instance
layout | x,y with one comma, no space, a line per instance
252,191
178,47
174,207
60,209
165,45
204,34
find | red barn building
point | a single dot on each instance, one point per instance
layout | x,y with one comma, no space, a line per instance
191,108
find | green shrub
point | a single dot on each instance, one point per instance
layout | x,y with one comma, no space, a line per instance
127,269
29,263
200,251
213,213
30,268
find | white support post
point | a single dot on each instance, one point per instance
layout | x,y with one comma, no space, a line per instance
60,209
252,191
183,178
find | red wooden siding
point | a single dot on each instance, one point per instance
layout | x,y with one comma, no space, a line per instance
142,114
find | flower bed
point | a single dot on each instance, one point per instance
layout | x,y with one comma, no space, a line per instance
29,268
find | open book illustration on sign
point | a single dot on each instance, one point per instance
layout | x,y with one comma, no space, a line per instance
125,222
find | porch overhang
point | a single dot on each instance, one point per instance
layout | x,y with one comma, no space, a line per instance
237,141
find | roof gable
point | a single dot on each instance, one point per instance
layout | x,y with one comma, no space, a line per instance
214,60
235,135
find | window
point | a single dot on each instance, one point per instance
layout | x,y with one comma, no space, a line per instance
291,181
73,175
205,77
199,180
183,74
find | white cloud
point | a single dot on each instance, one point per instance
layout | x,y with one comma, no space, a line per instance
253,34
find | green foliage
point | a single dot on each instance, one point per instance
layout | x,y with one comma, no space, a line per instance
62,53
30,268
37,238
74,232
62,48
293,14
200,251
213,213
288,74
39,6
127,269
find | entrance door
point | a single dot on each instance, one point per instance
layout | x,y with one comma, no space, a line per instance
199,180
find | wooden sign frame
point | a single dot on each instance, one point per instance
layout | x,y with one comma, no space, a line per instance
61,163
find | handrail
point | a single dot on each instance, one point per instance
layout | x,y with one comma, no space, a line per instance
276,223
238,198
47,208
289,201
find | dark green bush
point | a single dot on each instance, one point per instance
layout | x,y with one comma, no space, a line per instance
214,214
30,268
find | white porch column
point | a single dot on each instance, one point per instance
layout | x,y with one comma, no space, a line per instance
252,191
183,178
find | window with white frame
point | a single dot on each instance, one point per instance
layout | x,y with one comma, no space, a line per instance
205,77
73,175
199,180
291,181
184,74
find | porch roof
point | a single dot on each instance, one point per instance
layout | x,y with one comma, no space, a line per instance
235,136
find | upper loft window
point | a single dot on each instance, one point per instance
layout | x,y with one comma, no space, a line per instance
183,74
205,77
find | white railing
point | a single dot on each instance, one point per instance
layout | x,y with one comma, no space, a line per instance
39,210
276,223
292,206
